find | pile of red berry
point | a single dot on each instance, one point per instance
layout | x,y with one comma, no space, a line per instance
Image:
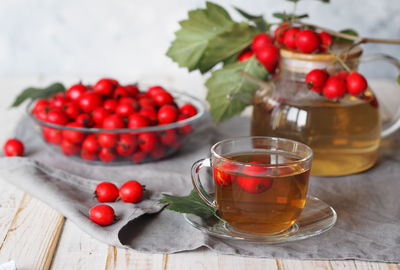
336,86
294,38
108,105
130,192
303,40
265,51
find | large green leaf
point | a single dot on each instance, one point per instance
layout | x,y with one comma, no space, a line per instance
193,38
35,93
191,204
227,44
228,89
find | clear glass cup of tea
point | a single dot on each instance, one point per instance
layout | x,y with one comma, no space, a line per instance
260,183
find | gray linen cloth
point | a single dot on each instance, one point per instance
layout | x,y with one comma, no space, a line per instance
367,204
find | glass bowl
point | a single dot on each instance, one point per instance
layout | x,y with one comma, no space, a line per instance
128,145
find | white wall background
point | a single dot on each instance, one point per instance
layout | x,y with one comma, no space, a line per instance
128,38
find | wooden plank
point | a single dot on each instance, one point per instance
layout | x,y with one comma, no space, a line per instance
343,265
370,265
77,250
10,199
124,259
285,264
33,235
194,260
226,262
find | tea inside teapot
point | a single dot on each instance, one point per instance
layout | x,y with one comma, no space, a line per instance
344,134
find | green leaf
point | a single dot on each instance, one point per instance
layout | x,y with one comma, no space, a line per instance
191,204
227,44
351,32
36,93
325,1
228,82
261,24
288,17
398,79
193,38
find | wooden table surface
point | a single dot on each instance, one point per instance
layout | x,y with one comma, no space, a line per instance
37,237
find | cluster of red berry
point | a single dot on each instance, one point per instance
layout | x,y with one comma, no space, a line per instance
336,86
108,105
303,40
130,192
264,49
306,41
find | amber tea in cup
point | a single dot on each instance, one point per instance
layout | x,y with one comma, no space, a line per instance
261,183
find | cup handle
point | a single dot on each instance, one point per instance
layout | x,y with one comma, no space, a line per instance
196,167
395,124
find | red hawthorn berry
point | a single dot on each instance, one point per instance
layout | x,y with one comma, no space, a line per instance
52,135
107,140
152,91
75,92
69,148
326,41
260,41
356,83
110,105
131,192
307,41
188,110
13,147
85,120
104,87
90,145
73,136
151,114
147,141
89,101
57,116
99,114
316,78
137,120
102,214
334,87
132,89
163,98
280,32
106,192
247,54
269,57
113,121
72,110
167,114
289,39
120,92
107,155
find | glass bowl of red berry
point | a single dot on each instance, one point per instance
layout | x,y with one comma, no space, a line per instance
110,123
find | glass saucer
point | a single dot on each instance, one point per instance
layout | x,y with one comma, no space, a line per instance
316,218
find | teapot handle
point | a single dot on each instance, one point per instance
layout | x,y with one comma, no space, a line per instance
395,124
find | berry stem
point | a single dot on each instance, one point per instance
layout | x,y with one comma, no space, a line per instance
342,63
354,38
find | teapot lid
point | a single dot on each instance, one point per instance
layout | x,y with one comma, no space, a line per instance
305,62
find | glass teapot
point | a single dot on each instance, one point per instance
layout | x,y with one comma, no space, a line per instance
344,134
